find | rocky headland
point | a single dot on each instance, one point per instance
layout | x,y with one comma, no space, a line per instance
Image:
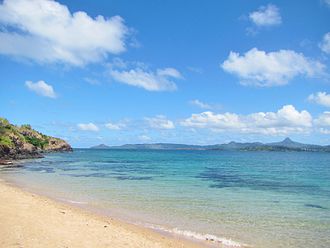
22,142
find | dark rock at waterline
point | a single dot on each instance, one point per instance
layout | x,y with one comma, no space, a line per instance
5,162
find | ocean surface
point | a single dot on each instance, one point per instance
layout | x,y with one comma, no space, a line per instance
260,199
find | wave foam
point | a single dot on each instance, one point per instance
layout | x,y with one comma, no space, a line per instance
75,202
203,237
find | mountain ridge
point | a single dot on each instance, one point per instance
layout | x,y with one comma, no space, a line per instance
285,145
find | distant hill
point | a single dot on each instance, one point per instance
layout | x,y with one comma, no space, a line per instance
101,146
20,142
159,146
285,145
235,146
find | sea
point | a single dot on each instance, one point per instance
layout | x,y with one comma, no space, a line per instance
229,198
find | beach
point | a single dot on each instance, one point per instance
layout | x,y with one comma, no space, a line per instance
166,199
164,124
31,220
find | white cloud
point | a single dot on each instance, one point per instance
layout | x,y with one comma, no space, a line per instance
46,31
88,127
146,79
266,16
286,120
321,98
260,68
325,44
160,122
119,63
213,121
115,126
200,104
169,72
41,88
324,131
323,120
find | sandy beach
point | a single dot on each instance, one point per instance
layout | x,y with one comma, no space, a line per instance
30,220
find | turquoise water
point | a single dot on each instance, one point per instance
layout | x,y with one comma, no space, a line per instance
261,199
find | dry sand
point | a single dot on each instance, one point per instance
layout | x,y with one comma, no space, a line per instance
30,220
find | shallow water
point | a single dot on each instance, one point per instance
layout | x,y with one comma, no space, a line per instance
263,199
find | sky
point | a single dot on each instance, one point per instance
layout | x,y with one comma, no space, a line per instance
197,72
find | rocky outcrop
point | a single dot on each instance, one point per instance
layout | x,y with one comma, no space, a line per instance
20,142
57,145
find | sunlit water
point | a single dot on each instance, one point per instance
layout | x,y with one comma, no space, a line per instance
262,199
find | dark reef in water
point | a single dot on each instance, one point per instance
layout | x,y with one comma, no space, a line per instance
314,206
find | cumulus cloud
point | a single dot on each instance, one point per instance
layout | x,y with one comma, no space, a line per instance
321,98
169,72
324,131
325,44
88,127
266,16
160,122
323,120
286,120
200,104
260,68
46,31
140,76
115,126
41,88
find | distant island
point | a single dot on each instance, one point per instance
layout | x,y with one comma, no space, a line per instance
286,145
101,146
21,142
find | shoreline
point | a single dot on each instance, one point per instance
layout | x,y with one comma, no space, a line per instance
33,220
188,237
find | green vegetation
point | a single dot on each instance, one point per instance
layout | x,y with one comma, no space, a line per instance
4,122
27,126
6,141
17,142
24,133
41,143
4,127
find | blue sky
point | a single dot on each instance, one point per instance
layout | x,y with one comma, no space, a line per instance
206,72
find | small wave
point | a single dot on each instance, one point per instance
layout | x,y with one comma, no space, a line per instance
75,202
194,235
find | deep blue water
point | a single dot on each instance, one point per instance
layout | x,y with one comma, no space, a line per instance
263,199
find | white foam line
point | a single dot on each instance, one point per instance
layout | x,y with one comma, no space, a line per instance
199,236
74,202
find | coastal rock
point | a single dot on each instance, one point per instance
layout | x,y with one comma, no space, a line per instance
55,144
21,142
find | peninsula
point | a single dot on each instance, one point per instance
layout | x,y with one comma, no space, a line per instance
22,142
